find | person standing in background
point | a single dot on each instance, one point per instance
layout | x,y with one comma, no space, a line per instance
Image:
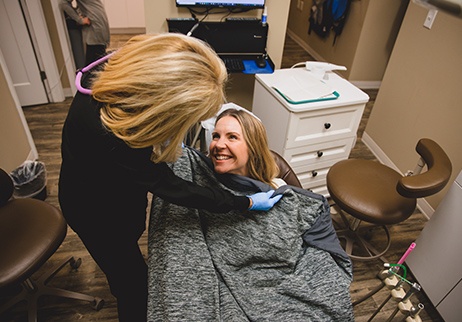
91,15
75,36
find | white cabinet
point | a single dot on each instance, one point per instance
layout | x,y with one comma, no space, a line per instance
436,261
310,136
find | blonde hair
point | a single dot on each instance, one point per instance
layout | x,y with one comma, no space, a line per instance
156,87
261,164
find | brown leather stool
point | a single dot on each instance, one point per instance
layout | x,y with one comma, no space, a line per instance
31,231
373,193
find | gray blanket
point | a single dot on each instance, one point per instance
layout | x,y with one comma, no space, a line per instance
282,265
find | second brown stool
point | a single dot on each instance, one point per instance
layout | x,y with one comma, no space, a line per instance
375,196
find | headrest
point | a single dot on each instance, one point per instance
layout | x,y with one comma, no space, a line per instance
6,187
285,171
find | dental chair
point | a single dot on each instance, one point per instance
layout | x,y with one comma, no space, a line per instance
285,171
376,196
31,231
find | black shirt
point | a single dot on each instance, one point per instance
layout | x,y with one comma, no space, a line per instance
102,176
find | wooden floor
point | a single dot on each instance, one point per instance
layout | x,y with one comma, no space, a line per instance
45,122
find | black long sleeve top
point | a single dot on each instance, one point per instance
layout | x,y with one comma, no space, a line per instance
102,176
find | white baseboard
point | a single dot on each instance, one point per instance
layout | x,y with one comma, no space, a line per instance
422,204
32,155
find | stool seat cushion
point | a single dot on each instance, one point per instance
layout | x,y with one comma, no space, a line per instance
366,190
33,231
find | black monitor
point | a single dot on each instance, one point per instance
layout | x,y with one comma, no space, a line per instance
249,4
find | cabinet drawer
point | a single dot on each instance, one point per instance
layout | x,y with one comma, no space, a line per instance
320,189
323,125
312,176
315,154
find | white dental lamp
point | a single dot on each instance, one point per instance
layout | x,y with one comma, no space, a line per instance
452,7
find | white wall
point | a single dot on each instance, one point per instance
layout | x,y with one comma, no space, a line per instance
124,15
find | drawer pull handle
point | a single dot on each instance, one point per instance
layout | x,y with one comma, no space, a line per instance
314,173
327,125
319,153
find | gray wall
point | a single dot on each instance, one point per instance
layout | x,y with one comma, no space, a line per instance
421,92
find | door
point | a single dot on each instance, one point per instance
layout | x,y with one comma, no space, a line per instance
19,54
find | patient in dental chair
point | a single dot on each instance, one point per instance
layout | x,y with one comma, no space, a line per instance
282,265
231,147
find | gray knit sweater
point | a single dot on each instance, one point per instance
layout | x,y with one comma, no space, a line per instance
282,265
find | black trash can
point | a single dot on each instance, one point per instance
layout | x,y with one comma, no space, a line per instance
30,180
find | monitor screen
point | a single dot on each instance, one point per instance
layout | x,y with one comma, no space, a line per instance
222,3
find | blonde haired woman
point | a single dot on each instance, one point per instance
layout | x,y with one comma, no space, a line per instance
115,143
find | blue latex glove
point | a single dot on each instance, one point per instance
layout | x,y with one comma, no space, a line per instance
264,201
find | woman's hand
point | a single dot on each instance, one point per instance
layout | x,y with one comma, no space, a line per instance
263,200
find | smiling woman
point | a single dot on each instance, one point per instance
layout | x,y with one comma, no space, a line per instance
240,146
228,149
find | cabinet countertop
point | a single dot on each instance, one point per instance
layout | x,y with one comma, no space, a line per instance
348,93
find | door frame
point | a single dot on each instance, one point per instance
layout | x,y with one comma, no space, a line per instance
44,49
65,44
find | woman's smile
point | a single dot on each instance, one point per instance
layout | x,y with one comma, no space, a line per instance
228,147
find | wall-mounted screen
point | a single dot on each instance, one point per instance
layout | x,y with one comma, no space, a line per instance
222,3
